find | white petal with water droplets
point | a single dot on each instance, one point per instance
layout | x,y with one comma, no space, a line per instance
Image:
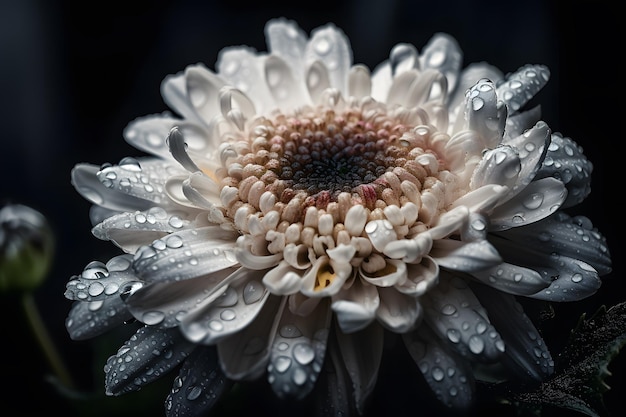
566,162
186,254
199,385
537,201
452,310
522,85
98,282
447,373
325,277
512,279
245,354
526,352
164,304
442,53
174,93
239,305
90,319
329,45
484,113
287,40
297,352
146,356
499,166
148,133
359,81
284,87
131,230
317,80
202,86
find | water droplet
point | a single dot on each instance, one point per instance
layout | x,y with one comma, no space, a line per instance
290,331
152,318
299,376
533,201
437,374
476,344
481,327
478,103
577,277
97,288
448,310
454,335
194,392
176,222
174,241
216,325
282,363
228,314
303,353
322,46
253,292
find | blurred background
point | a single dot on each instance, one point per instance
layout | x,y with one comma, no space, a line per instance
73,74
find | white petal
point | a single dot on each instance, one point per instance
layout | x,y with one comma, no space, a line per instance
420,277
356,307
236,309
359,82
97,282
163,304
452,310
526,352
394,273
145,357
286,39
464,256
448,374
317,80
398,312
380,233
362,354
537,201
512,279
576,281
403,57
442,53
298,351
148,134
484,113
245,354
329,45
90,319
203,87
174,93
283,279
186,254
522,85
283,85
325,277
499,166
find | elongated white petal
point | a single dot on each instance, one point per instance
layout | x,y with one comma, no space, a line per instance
148,133
362,352
186,254
97,281
90,319
522,85
537,201
442,53
245,354
283,279
526,352
329,45
453,312
239,305
447,373
298,351
513,279
146,356
203,87
199,385
465,256
420,277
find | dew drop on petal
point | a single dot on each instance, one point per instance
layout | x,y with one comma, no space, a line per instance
152,318
282,363
476,344
299,376
454,335
290,331
437,373
253,292
533,201
303,353
448,310
228,314
194,392
174,241
216,325
577,277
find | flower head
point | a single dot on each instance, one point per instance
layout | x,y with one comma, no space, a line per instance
298,204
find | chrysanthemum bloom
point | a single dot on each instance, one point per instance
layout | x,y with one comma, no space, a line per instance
298,207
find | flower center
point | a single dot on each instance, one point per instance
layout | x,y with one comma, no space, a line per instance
319,174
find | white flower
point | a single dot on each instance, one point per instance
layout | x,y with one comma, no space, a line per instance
298,203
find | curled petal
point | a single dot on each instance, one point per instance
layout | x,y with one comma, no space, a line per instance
283,279
420,277
398,312
393,273
442,53
484,113
356,308
203,87
498,166
325,277
410,250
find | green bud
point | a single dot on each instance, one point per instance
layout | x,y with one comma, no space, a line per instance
26,248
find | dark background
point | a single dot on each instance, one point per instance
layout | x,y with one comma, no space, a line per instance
73,74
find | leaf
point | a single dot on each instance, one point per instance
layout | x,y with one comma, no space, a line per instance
579,380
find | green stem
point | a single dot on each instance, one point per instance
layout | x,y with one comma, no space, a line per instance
43,337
